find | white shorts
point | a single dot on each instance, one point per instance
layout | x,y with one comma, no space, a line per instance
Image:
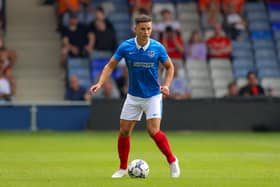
134,107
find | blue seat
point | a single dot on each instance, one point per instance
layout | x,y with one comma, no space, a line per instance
246,45
242,53
276,34
273,6
263,44
259,26
275,25
256,35
97,65
259,6
78,67
274,15
242,72
243,63
78,63
267,63
257,15
265,53
268,72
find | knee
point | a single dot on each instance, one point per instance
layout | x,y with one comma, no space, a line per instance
124,132
152,131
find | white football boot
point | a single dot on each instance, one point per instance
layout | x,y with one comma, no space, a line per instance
175,169
119,173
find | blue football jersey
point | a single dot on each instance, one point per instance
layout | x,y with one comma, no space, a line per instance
142,64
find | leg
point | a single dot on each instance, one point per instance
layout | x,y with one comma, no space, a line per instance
153,128
126,127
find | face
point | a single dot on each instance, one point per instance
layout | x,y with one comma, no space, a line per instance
100,24
143,31
166,16
218,28
74,82
252,79
73,21
99,14
233,90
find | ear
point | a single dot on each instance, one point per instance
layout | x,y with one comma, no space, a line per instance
134,28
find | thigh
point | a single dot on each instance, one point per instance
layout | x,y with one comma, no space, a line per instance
131,110
153,126
153,107
126,127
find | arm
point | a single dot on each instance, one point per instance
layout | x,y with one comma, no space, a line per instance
107,71
168,77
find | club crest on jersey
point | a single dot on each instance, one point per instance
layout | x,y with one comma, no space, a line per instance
151,54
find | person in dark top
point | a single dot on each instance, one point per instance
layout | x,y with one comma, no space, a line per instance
74,91
100,15
252,88
77,40
104,38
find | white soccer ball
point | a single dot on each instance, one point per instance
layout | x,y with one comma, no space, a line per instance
138,169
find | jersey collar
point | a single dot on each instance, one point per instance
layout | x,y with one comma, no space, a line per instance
138,46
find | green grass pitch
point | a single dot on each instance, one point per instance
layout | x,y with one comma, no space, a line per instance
88,159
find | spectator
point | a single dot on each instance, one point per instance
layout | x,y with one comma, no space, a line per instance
238,6
77,40
203,5
211,16
173,43
235,25
104,38
196,49
108,91
232,89
63,6
5,87
74,91
167,21
219,46
270,92
84,14
141,6
252,88
100,15
8,59
179,89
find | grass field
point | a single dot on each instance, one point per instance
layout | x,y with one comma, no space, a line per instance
88,159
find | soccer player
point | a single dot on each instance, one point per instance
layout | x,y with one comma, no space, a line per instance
142,55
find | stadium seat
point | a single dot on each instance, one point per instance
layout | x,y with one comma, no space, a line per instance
273,83
265,53
243,63
255,6
263,44
202,93
268,72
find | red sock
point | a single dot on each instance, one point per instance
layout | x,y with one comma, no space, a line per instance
123,149
162,143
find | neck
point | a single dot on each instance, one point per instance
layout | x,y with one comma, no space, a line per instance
142,43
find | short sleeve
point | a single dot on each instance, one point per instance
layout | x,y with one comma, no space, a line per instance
119,54
163,56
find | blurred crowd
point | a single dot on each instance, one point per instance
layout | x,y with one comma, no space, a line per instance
85,28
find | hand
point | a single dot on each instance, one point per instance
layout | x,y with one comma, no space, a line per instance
164,90
94,88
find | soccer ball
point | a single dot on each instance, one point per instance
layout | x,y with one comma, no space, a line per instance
138,169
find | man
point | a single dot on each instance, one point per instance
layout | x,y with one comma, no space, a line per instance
219,46
142,56
75,91
77,40
232,89
252,88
